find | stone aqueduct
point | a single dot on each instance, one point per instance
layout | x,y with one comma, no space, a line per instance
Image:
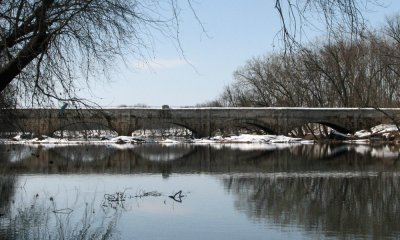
201,121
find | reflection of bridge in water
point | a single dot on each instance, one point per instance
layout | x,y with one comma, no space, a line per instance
306,192
201,121
186,158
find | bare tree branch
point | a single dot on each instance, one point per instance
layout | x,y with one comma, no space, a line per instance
49,48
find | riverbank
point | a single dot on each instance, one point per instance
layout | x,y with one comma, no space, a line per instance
383,133
242,138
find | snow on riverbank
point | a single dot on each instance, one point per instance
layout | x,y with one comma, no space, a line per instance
382,129
249,138
243,138
382,132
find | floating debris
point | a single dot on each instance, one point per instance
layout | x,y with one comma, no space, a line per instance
63,211
148,194
118,199
177,197
114,200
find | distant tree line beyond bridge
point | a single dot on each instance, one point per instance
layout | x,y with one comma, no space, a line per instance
341,72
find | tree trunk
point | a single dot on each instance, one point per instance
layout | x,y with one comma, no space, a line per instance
25,56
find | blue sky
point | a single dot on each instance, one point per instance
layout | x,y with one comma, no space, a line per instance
237,31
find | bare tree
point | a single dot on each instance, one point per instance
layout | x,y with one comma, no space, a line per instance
299,16
338,73
51,48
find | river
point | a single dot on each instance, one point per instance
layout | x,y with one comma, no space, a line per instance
189,191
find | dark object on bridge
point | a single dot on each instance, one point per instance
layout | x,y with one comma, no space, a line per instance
165,107
335,135
62,109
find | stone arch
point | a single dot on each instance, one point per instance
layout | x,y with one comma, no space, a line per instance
298,129
81,125
335,127
262,126
192,129
161,125
245,123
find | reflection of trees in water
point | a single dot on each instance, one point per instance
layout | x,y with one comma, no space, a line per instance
40,219
7,189
360,205
9,153
357,203
14,153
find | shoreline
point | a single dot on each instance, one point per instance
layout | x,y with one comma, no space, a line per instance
380,134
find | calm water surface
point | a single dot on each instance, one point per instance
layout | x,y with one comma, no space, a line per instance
237,191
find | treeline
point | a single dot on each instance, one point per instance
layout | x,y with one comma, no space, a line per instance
338,73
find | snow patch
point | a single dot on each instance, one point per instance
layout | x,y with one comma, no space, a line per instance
384,128
169,141
360,137
249,138
362,134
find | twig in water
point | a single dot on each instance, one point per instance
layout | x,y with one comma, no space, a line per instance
63,211
148,194
114,200
177,197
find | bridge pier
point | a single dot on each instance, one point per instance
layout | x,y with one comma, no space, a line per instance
122,130
204,129
201,134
